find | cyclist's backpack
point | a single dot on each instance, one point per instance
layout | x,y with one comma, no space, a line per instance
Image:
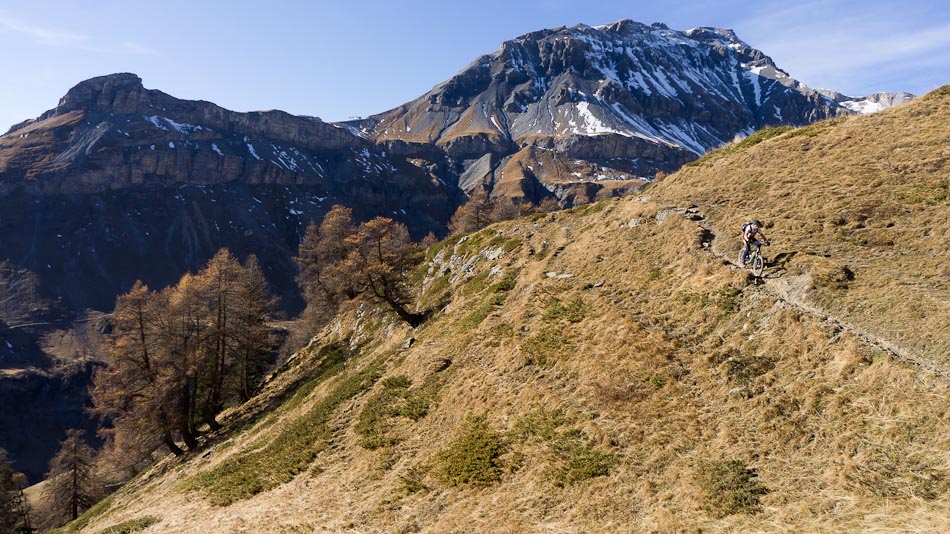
745,228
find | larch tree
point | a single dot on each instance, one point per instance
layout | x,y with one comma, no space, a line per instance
185,323
339,262
9,517
380,261
176,358
471,216
221,279
253,341
130,391
71,484
323,247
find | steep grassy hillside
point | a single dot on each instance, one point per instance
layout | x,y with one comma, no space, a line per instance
863,204
607,370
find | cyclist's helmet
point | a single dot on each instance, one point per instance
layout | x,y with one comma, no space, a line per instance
757,223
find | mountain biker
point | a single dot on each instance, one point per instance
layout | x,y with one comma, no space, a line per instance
749,232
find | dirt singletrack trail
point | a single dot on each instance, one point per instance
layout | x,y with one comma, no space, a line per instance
790,289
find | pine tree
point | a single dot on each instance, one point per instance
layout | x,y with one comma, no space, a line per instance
71,481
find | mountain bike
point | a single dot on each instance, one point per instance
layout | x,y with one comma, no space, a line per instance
754,260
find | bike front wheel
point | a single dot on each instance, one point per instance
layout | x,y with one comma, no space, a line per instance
758,265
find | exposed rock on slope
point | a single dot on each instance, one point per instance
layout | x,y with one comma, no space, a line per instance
120,182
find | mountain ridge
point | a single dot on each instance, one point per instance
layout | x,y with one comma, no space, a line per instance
622,100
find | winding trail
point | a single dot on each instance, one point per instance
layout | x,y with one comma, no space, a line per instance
791,291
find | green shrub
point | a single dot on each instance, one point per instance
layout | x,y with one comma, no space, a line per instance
727,298
546,346
572,454
86,517
476,284
542,424
573,312
133,525
497,294
434,250
413,480
577,459
375,422
744,368
729,487
397,382
473,457
596,207
508,244
507,282
286,455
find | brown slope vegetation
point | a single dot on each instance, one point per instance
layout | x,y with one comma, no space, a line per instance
863,206
603,370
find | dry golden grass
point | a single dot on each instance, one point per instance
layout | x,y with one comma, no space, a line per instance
868,193
663,361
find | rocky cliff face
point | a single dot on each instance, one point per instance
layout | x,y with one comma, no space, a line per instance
631,98
119,183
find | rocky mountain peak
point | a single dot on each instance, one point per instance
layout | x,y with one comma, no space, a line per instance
115,93
620,101
865,105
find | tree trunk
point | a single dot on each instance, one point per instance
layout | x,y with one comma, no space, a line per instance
172,446
412,319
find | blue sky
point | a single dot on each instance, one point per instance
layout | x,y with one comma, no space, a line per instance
337,59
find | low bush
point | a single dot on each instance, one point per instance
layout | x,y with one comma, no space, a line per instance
286,455
545,347
571,453
572,313
128,527
729,487
375,422
473,457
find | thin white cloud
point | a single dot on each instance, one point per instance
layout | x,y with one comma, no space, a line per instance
848,48
132,47
61,38
40,34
